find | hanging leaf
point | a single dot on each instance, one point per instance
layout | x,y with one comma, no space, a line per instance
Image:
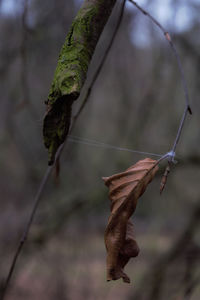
124,190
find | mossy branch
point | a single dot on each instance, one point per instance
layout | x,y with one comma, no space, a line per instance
71,71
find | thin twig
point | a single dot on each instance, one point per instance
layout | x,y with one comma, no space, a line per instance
49,168
28,225
184,84
186,93
178,135
26,231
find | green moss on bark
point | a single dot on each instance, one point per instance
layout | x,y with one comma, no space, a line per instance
71,70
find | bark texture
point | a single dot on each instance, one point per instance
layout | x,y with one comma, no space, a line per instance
71,70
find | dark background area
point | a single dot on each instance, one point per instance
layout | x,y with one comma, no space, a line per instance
137,103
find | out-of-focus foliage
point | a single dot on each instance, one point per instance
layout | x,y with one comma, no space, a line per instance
137,102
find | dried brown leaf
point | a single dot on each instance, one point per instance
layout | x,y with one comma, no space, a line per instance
124,190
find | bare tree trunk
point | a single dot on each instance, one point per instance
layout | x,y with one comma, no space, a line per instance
71,70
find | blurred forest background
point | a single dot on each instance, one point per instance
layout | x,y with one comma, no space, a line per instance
137,103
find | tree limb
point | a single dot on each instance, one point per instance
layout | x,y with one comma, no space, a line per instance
71,70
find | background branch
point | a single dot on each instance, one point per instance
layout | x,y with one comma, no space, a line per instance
49,169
